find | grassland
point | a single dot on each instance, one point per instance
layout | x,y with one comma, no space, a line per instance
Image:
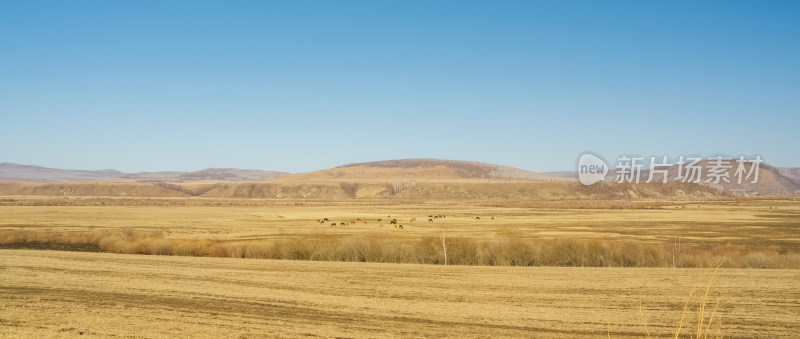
187,292
767,221
760,234
62,294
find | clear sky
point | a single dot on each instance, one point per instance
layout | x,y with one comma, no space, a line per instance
305,85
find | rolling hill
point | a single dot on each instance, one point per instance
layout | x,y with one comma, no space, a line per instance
209,174
771,179
420,171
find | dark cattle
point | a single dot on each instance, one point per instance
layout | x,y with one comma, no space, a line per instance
400,227
430,220
333,225
326,219
492,218
430,216
393,222
436,217
477,218
379,220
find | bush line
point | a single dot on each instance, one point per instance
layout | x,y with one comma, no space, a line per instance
427,250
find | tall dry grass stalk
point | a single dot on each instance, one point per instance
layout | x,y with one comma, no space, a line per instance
705,320
444,248
684,313
703,326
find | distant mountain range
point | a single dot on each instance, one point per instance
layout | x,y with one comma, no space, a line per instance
402,173
10,172
15,172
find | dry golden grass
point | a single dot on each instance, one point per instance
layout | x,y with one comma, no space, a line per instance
59,294
739,234
395,248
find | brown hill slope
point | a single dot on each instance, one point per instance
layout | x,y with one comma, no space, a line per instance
347,191
209,174
771,179
91,189
462,191
420,170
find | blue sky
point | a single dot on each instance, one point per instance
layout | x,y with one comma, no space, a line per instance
305,85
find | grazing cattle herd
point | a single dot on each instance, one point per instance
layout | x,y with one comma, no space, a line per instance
392,221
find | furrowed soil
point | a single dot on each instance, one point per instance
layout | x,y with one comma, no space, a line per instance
72,294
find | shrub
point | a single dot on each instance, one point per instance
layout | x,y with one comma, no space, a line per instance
504,251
